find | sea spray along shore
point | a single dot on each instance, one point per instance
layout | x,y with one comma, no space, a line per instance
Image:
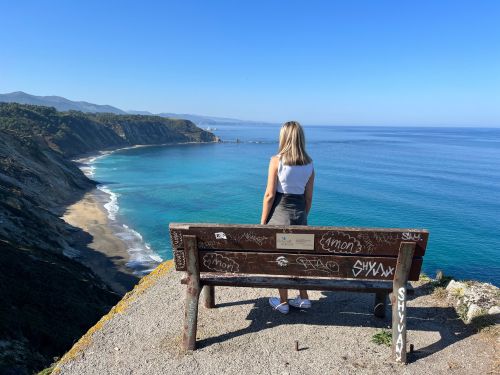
109,256
38,181
140,258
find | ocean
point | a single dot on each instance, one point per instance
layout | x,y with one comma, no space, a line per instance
446,180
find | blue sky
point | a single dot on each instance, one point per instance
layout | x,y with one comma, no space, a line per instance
320,62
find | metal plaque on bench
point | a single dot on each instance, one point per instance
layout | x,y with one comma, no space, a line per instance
296,241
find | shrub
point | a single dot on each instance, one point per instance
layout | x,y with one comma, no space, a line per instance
382,337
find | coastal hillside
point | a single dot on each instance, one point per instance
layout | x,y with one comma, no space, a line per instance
58,102
63,104
36,183
48,298
74,133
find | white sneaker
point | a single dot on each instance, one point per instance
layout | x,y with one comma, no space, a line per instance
300,303
276,303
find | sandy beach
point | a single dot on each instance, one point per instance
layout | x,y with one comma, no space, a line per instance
106,254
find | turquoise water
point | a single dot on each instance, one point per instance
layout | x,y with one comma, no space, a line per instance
445,180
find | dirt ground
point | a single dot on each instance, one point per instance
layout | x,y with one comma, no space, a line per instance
243,335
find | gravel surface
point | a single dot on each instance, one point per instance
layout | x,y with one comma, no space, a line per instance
244,336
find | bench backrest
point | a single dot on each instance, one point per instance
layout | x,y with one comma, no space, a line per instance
339,252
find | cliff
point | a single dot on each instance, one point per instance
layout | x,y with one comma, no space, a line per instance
35,184
36,178
49,300
74,133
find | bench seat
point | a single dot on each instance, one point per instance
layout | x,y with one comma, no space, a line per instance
368,286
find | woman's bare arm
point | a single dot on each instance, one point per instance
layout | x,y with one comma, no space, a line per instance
270,189
309,192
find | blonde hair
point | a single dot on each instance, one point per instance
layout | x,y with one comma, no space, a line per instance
292,148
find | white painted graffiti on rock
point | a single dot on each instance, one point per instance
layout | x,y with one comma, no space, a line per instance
220,263
316,264
340,243
370,268
401,322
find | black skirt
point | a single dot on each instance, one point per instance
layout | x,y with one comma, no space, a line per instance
288,209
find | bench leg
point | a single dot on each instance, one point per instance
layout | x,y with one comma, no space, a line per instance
208,296
398,299
192,294
380,304
190,319
399,324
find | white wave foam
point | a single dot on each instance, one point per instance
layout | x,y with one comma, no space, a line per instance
88,170
112,206
86,164
142,257
92,159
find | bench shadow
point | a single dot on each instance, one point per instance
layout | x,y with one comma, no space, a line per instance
354,310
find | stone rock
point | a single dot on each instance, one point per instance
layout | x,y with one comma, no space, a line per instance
482,294
456,288
494,310
473,298
474,310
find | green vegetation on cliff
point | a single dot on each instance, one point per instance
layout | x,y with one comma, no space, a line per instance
74,133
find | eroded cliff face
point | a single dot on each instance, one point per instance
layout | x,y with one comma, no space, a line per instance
75,133
35,185
37,179
48,300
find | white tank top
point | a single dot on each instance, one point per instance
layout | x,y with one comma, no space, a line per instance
292,179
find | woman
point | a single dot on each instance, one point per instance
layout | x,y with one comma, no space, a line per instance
288,196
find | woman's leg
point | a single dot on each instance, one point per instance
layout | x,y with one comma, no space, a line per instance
303,294
283,295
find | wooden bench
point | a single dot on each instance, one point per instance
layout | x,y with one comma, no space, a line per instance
373,260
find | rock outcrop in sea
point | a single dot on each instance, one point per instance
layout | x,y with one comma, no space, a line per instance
48,299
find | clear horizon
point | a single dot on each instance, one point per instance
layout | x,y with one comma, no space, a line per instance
357,64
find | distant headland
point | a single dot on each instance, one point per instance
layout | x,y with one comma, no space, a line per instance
63,104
